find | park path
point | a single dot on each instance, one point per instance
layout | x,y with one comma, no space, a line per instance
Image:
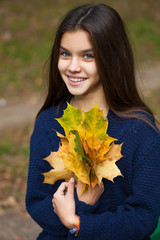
18,226
15,225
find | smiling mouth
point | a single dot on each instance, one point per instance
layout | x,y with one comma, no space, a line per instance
76,79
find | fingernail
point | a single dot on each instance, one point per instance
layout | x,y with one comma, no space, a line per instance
72,180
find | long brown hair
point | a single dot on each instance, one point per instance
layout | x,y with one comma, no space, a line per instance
113,55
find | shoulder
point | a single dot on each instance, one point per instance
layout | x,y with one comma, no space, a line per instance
47,118
142,124
147,138
53,112
135,133
46,126
141,142
145,128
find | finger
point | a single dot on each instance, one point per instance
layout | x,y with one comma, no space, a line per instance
53,196
71,185
101,187
54,206
53,200
78,185
61,189
55,211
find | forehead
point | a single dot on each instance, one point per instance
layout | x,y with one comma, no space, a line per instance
76,40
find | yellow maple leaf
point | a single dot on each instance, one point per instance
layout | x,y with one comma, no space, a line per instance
94,122
73,162
59,172
108,169
72,118
86,151
54,160
54,175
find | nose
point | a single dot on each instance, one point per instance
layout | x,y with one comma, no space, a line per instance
74,65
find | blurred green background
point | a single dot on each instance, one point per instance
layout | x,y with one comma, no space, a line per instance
28,28
27,31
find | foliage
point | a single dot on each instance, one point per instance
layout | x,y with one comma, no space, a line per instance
86,152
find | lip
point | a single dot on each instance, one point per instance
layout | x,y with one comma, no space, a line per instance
78,80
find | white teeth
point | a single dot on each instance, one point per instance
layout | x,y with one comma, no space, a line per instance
76,79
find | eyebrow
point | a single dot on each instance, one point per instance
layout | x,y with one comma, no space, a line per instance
83,51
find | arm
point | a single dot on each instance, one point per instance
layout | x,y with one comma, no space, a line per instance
137,217
64,203
39,195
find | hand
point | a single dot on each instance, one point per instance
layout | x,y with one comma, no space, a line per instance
64,204
92,196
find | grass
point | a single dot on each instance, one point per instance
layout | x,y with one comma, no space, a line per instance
27,37
146,36
14,159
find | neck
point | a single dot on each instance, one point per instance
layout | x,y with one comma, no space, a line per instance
85,103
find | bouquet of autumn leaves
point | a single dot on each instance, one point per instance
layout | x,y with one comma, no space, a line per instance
86,152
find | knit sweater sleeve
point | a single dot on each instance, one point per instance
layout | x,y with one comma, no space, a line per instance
137,217
39,195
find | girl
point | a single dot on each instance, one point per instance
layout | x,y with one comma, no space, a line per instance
92,62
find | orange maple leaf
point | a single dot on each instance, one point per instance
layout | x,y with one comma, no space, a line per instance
86,151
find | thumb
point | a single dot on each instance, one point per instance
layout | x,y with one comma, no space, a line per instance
71,185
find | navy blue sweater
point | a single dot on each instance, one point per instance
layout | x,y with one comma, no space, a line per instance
127,210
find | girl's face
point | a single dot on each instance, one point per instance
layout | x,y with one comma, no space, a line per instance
77,64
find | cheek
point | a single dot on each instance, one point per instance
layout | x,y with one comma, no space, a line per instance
92,70
61,66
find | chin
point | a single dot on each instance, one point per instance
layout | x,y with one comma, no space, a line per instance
76,92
